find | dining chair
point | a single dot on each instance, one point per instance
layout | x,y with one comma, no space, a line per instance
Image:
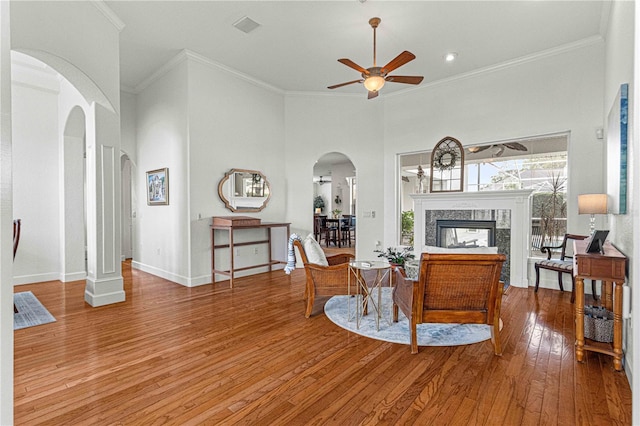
17,224
347,228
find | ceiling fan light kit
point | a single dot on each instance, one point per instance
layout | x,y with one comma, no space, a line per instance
374,78
374,83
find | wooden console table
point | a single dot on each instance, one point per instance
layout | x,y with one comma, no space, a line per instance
609,267
242,223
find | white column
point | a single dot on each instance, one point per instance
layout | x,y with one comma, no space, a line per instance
104,270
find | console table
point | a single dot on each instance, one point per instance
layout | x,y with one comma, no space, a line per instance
609,267
239,223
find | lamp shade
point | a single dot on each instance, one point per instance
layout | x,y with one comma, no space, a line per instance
374,83
592,204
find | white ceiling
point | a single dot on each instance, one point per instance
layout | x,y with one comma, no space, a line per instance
298,43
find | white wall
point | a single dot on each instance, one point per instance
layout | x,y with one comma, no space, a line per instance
340,186
6,215
62,30
352,125
555,93
36,180
128,125
161,231
619,69
233,123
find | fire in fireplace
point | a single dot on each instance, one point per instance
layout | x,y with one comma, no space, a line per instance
465,233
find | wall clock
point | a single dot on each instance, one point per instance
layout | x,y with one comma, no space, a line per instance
447,166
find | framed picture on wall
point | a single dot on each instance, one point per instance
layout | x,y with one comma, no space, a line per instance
158,187
617,151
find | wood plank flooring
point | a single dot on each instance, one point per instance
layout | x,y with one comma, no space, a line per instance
212,355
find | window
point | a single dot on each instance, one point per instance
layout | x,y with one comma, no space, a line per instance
536,163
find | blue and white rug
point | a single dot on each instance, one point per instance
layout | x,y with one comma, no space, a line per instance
30,311
337,310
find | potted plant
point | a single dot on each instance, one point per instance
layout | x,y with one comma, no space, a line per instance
407,227
336,213
318,204
396,256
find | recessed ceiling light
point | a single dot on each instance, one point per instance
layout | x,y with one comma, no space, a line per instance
450,57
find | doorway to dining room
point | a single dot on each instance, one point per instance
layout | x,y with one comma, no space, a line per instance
335,195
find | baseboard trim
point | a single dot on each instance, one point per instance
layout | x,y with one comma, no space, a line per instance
36,278
178,279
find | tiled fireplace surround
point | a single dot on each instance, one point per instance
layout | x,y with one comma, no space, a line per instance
510,209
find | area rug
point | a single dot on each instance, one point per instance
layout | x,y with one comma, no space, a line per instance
30,311
337,310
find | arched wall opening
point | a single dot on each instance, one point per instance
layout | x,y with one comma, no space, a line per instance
74,194
335,183
72,169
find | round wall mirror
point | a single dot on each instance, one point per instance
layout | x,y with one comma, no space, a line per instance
244,190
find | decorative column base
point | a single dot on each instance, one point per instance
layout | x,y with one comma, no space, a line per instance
104,292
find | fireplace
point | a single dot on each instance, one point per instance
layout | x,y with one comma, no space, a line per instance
465,233
511,211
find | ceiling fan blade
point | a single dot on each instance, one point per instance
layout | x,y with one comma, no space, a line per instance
398,61
407,79
474,149
515,145
344,84
372,95
351,64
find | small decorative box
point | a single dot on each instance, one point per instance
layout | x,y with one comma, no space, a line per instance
234,221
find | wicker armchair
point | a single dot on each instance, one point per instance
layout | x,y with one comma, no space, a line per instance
452,288
324,280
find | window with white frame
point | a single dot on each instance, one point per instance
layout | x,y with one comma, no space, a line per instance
539,164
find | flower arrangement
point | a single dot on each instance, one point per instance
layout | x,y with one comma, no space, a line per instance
336,213
396,256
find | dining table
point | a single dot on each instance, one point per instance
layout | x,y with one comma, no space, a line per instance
335,223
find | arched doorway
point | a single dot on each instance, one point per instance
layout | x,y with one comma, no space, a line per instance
73,165
335,189
74,194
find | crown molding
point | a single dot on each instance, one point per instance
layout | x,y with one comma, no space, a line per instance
213,64
298,93
185,54
604,18
165,68
109,14
589,41
128,89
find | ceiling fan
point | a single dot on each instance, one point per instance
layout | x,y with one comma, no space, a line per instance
375,76
322,181
500,147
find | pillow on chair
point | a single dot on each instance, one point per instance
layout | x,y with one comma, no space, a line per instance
314,252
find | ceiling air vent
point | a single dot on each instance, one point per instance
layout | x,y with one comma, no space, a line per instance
246,24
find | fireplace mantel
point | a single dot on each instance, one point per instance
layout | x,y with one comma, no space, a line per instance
518,202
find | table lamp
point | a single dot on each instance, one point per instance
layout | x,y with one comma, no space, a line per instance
592,204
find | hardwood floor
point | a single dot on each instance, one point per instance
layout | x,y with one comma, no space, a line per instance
211,355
